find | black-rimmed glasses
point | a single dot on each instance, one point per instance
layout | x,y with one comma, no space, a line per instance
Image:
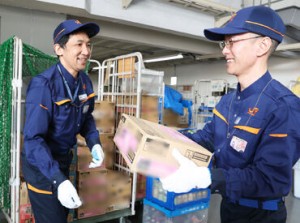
229,43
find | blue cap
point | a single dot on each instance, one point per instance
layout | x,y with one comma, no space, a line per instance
256,19
72,25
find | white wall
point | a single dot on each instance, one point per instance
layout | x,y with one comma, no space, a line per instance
282,69
33,27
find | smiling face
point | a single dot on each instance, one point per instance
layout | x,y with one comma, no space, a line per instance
75,53
241,54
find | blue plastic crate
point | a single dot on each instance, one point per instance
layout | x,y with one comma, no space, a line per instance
193,213
170,200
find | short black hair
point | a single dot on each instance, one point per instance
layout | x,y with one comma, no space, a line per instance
63,41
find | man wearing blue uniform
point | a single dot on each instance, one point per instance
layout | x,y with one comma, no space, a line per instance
59,104
255,134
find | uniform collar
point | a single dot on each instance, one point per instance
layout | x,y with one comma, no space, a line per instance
69,77
254,88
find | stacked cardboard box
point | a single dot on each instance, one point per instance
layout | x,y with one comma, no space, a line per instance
72,178
150,107
108,147
26,214
141,186
104,115
172,119
100,189
118,191
91,186
126,67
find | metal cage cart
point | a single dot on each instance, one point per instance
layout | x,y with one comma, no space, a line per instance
19,63
125,81
206,94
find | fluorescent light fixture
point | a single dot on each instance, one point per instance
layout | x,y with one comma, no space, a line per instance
158,59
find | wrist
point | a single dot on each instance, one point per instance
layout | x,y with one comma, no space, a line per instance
57,179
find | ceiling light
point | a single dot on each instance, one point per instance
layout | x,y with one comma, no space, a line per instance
158,59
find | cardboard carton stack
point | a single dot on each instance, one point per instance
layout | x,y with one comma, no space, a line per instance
91,185
26,214
172,119
118,190
104,115
100,189
151,106
73,179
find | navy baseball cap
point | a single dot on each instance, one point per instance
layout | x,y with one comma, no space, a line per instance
72,25
256,19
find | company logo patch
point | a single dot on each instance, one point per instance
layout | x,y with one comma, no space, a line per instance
252,111
232,16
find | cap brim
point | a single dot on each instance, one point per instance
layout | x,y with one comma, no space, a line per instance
218,34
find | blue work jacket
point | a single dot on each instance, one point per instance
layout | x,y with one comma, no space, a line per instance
255,137
53,120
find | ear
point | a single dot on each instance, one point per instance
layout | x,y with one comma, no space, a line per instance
58,50
264,46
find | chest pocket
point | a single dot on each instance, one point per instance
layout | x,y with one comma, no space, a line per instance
61,113
246,136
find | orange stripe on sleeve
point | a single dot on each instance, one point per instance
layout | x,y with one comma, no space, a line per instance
278,135
220,115
30,187
91,95
44,107
62,101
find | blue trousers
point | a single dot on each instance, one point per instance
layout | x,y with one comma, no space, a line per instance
235,213
45,204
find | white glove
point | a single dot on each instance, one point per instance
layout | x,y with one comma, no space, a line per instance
67,195
98,156
187,177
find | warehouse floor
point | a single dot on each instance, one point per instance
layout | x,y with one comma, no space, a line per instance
292,203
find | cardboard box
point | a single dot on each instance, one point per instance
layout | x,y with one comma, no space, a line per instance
126,67
90,210
172,119
104,110
141,186
104,115
147,147
107,142
109,159
26,213
118,187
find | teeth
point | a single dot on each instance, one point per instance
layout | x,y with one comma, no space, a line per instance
229,60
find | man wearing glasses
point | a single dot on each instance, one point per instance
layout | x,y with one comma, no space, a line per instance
255,134
59,104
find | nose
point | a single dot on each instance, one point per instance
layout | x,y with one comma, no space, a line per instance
86,49
225,50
